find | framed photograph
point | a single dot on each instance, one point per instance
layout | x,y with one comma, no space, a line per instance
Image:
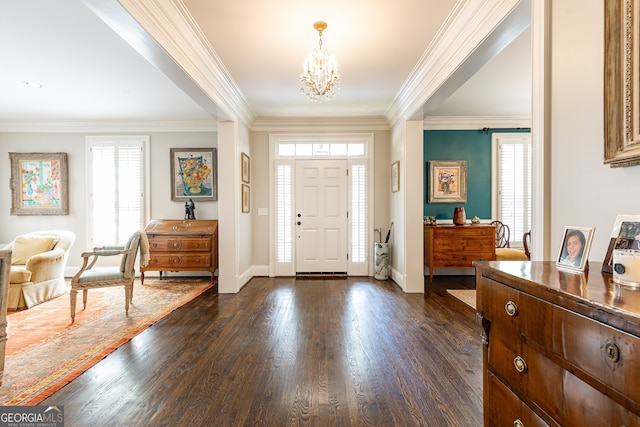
621,83
625,235
245,168
447,181
574,251
395,176
194,174
39,184
246,198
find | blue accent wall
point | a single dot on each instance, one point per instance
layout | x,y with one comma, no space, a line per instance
474,146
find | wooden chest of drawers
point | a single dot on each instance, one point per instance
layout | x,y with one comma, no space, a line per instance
182,245
452,246
560,348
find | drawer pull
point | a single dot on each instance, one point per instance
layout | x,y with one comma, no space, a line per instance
197,245
518,423
520,364
176,244
511,308
612,352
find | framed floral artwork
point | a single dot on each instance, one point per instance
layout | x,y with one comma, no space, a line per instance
245,168
395,176
574,251
246,198
194,174
447,181
39,184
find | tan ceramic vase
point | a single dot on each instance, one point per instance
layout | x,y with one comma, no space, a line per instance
459,217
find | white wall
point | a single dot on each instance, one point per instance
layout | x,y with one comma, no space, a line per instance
162,207
584,191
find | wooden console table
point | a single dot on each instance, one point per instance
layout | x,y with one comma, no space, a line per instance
182,245
560,348
457,246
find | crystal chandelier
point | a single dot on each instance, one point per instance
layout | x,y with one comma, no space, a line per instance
320,79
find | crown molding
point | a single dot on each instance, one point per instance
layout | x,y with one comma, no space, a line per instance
471,24
476,122
333,124
93,127
166,34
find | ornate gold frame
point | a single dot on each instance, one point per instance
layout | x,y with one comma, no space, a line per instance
621,87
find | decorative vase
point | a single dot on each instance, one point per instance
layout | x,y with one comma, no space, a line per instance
459,217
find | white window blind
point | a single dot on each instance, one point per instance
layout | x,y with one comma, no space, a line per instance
514,198
116,178
358,213
284,244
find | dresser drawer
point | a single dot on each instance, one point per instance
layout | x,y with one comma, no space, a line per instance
505,408
180,260
463,232
163,243
470,244
607,354
458,259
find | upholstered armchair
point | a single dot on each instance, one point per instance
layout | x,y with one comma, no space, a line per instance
504,252
91,277
38,263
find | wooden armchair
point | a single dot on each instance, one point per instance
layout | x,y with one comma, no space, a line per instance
90,277
504,252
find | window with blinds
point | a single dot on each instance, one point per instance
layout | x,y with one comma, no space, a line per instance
284,226
116,189
514,185
358,213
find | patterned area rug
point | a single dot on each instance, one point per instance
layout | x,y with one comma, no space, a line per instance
45,350
467,296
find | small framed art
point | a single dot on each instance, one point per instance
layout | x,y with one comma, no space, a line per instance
395,176
194,174
246,198
448,181
574,251
246,163
625,235
39,184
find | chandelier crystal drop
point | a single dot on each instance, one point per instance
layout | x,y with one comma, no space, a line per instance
320,80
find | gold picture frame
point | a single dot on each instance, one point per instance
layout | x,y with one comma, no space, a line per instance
246,170
448,181
246,198
39,184
395,176
621,83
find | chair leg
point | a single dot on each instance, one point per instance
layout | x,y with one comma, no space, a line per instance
73,295
128,294
84,297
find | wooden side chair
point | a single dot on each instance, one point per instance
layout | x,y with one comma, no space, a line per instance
526,243
504,252
90,277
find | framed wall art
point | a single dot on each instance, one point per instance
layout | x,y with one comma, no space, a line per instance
245,168
447,181
574,251
39,184
621,83
246,198
194,174
395,176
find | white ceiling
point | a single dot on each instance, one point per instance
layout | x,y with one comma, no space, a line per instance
90,74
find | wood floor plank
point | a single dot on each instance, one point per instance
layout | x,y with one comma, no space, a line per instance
294,352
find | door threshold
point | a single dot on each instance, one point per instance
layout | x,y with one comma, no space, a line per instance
322,275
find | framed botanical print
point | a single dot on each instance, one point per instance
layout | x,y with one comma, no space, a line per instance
395,176
39,184
246,198
194,174
245,168
448,181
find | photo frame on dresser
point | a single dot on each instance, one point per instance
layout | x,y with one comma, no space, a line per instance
574,251
625,235
194,174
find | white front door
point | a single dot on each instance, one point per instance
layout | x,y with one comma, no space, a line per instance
321,216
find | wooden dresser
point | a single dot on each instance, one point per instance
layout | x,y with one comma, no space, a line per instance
560,348
182,245
457,246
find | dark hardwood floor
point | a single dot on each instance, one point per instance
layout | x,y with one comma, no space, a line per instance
287,352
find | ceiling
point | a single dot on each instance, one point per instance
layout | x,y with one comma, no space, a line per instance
90,74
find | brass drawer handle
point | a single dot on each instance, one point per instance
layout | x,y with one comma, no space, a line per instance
197,245
176,244
520,364
611,352
511,308
518,423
